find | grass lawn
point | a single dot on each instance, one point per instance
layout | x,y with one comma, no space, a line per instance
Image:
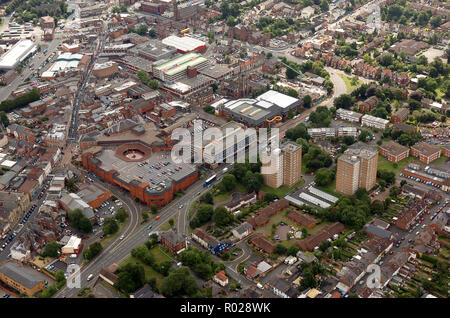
221,198
160,254
166,226
282,217
281,191
149,272
348,83
331,189
383,164
441,160
240,188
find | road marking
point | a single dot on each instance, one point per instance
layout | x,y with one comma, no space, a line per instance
236,267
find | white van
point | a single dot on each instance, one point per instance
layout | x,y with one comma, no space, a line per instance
90,277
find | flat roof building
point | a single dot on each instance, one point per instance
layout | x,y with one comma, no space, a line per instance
19,52
348,115
184,44
137,165
375,122
176,68
154,50
356,168
269,107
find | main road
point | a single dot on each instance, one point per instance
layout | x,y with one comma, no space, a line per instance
136,232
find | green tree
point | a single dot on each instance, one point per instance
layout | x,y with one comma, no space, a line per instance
222,217
121,215
364,136
324,177
143,76
153,209
280,249
377,207
79,221
229,181
179,282
142,29
154,84
307,100
130,277
290,74
207,198
344,101
110,226
324,6
4,119
93,250
209,109
52,249
253,181
204,215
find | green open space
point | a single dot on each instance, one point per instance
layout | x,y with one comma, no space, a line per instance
283,190
349,84
330,188
384,164
160,256
149,272
439,161
221,198
166,226
282,217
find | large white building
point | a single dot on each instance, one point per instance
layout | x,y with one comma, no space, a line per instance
184,44
19,52
348,115
376,122
73,246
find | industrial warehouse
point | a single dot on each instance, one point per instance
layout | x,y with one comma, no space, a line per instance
19,52
268,108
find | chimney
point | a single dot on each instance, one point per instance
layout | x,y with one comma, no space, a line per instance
192,72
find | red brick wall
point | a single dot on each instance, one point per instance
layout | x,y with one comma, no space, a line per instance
102,198
138,192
